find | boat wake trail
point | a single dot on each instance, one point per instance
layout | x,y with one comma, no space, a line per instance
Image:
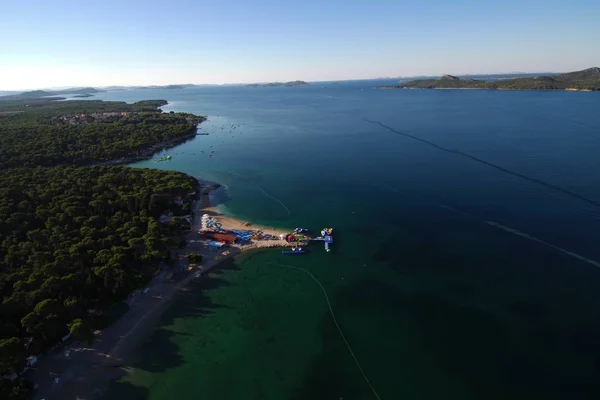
533,238
489,164
452,209
334,320
272,197
526,236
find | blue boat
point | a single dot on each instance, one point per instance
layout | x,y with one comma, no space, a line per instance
295,250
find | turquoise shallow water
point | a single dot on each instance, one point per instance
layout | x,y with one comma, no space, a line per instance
441,278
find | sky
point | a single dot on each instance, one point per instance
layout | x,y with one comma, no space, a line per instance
63,43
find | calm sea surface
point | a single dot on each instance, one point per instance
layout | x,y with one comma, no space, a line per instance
465,263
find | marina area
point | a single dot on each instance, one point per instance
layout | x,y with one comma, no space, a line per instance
218,232
214,235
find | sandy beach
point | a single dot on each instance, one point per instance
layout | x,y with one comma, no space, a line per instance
84,371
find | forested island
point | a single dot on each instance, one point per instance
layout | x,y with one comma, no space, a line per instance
275,84
36,94
76,240
585,80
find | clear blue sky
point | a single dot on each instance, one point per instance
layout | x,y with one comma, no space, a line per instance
50,43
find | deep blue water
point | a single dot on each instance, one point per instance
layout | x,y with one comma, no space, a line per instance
293,135
448,203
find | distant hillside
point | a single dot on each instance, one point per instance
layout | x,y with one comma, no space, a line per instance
36,94
274,84
166,86
590,74
86,90
588,79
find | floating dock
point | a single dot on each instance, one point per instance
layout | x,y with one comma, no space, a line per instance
300,234
326,238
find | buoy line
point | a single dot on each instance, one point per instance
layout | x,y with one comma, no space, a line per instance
272,197
334,321
264,192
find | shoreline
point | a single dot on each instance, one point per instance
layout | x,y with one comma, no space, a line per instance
147,153
88,370
85,372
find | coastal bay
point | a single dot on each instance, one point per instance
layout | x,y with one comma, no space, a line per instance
219,200
458,239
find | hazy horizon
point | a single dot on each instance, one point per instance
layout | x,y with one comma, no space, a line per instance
263,82
68,43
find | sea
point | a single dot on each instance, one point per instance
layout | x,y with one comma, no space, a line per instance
465,265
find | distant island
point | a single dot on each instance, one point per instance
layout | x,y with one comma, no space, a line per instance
274,84
82,96
585,80
36,94
170,87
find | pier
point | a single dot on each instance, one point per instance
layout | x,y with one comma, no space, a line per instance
327,239
299,235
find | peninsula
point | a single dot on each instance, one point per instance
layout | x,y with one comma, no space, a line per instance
45,132
79,240
585,80
275,84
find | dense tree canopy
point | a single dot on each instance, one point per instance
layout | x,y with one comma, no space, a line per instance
82,330
50,106
21,389
75,239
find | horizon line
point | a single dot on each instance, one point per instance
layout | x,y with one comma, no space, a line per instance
279,81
